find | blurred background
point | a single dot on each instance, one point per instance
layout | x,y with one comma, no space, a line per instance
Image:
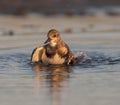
37,17
87,22
48,7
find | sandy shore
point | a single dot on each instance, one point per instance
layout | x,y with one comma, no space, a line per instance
30,30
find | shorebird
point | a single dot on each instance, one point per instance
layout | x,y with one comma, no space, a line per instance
53,51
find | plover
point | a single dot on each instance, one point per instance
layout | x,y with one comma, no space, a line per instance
53,51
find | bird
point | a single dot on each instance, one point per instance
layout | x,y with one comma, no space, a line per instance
54,51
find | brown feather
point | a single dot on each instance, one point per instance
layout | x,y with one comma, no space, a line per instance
55,52
37,54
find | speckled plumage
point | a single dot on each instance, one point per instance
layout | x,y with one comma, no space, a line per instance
54,51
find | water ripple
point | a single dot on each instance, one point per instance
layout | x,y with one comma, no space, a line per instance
21,61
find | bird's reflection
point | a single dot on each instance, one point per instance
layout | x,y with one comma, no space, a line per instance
55,76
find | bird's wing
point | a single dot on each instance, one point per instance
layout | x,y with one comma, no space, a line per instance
71,58
37,54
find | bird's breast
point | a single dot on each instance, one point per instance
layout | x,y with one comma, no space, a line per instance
56,59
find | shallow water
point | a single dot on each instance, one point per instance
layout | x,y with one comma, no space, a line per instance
96,83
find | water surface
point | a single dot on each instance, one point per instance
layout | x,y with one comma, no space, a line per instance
96,83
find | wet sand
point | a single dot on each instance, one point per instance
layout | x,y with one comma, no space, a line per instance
32,30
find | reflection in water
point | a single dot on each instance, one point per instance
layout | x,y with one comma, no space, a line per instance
54,77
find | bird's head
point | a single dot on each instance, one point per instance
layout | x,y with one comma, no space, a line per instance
53,37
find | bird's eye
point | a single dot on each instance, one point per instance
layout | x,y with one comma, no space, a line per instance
54,36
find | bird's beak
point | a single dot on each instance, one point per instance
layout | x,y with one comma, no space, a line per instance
46,43
48,40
